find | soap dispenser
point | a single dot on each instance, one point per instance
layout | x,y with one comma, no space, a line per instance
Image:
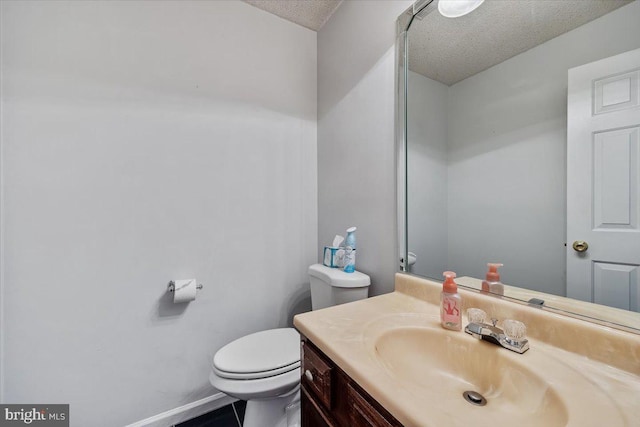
450,303
492,283
350,251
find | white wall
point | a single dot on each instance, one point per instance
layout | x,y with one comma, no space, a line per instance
356,150
507,130
427,174
143,142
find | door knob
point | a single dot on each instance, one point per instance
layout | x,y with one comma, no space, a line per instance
580,246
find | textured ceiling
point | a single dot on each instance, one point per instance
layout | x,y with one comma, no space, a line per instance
308,13
450,50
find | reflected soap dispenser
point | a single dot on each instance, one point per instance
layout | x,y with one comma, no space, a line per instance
450,303
492,282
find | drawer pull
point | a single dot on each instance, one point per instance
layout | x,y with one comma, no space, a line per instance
309,375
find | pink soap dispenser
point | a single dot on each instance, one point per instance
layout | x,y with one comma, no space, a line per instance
450,303
492,282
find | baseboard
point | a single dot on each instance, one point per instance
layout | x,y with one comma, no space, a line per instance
186,412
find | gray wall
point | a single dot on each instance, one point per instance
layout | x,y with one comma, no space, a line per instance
356,150
143,142
427,174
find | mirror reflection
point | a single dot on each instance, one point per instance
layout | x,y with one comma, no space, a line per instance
523,147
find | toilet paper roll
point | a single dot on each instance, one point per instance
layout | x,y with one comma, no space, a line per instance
185,290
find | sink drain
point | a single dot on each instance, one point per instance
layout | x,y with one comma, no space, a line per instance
474,398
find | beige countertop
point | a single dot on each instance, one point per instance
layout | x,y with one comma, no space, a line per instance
594,370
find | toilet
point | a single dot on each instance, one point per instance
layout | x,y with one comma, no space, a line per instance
263,368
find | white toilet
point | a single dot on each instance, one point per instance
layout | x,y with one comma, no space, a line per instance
264,368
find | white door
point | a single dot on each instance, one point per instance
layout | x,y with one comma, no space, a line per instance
603,181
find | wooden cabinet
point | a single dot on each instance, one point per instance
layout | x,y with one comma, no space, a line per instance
330,398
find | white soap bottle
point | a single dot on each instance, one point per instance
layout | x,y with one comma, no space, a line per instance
450,303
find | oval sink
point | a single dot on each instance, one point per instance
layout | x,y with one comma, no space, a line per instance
448,364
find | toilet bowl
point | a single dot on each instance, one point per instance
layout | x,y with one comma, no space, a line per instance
263,368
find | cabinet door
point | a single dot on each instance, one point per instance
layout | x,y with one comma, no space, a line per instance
312,414
364,414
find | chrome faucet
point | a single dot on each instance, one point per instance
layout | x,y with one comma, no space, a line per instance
513,339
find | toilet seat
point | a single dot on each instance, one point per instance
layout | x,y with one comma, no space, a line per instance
262,388
260,355
256,375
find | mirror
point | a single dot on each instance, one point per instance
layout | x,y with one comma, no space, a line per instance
521,131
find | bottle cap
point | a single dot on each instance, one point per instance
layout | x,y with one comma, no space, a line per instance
351,230
492,273
449,286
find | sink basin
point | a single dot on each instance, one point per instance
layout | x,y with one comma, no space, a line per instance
453,364
533,389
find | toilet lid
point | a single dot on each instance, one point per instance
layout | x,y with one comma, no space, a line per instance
338,278
261,354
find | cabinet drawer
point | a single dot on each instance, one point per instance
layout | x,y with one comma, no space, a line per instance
316,373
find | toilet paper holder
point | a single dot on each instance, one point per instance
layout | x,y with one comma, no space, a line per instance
171,287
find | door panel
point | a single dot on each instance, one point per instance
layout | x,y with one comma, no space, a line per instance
615,176
616,92
616,285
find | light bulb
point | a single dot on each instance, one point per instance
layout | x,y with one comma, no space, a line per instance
457,8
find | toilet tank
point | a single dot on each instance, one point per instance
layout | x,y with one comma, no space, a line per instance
332,286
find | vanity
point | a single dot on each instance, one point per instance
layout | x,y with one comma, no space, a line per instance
330,398
386,361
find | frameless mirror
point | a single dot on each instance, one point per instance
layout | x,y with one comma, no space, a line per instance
521,131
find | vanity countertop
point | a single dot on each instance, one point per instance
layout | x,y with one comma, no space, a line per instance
593,371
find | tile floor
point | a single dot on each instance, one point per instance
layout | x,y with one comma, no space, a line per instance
223,417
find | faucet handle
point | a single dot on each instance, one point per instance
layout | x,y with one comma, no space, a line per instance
476,315
514,330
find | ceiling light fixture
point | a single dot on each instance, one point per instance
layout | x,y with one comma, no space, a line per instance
457,8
